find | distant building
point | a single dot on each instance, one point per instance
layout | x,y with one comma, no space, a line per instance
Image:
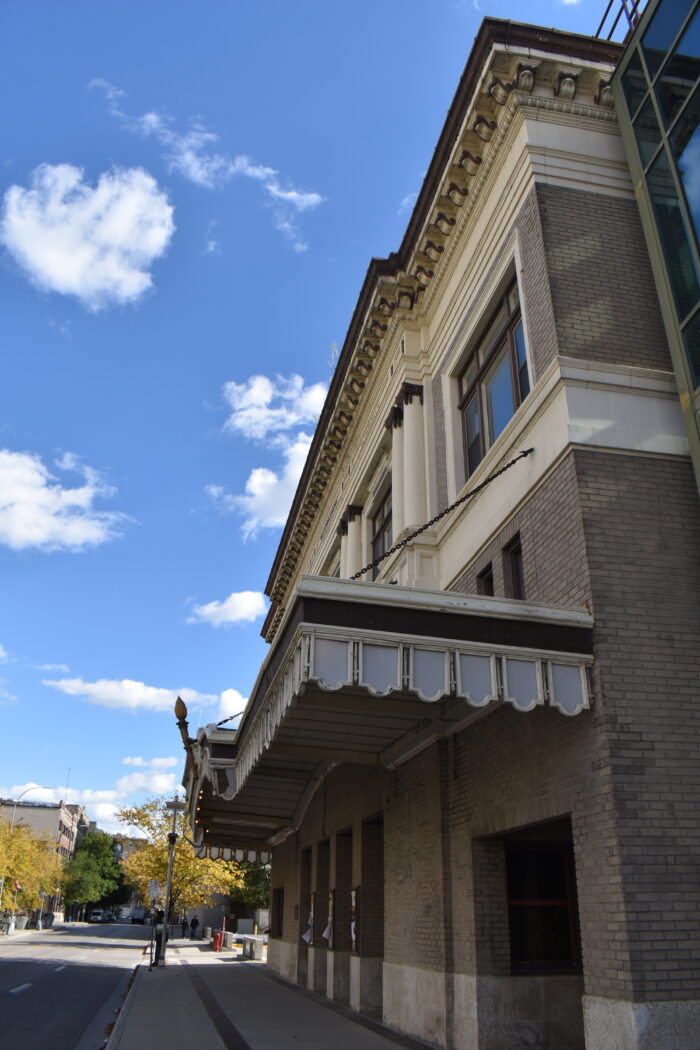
65,824
472,749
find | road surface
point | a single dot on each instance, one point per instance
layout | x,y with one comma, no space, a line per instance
60,989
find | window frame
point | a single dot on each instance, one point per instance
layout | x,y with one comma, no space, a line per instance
485,581
483,363
277,911
514,569
565,853
378,528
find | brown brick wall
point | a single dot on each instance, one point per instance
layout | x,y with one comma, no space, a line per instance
642,532
602,289
552,538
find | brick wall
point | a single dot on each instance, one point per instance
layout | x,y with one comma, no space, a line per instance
642,532
554,552
602,289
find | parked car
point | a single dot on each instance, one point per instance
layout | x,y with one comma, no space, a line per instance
138,915
96,915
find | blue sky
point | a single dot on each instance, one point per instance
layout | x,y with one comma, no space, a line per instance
191,194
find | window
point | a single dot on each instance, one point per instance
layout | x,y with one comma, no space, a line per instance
542,907
513,569
484,581
277,912
381,531
495,380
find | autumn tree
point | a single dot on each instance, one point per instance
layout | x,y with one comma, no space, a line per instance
29,860
255,887
195,881
93,871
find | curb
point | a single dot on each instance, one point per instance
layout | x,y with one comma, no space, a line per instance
115,1036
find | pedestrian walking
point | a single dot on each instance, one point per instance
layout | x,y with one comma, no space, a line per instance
193,928
184,926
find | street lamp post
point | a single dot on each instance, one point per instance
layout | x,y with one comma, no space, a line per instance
34,787
175,807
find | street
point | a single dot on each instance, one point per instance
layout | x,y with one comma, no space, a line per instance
60,989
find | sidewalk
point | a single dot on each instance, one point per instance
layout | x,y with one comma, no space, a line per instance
219,1002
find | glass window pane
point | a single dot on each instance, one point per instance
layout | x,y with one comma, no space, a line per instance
499,396
685,143
647,133
472,428
523,377
674,236
634,83
331,661
492,333
514,298
680,74
691,336
663,30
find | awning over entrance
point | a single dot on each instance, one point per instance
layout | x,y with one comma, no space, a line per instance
372,674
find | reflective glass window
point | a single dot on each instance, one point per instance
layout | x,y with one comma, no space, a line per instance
495,379
662,31
499,396
647,133
691,336
634,83
685,143
680,74
674,236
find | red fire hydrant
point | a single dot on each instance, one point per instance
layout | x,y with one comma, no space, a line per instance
217,942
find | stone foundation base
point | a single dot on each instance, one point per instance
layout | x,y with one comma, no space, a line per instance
612,1024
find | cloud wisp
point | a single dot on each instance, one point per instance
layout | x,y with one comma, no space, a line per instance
37,511
127,694
239,607
194,154
150,763
269,411
95,243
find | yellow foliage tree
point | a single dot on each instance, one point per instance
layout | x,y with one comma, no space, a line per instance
195,881
31,861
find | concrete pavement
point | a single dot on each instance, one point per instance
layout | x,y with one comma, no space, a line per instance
220,1002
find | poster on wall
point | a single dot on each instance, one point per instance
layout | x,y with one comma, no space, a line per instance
328,932
355,919
308,934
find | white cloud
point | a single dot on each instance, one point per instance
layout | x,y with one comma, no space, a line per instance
4,655
7,699
36,511
232,703
150,783
408,202
268,496
95,243
125,693
262,408
53,667
193,154
239,607
150,763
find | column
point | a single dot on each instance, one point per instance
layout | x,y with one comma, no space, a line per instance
343,533
353,541
397,468
414,485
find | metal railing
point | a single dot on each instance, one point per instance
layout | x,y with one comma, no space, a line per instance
620,19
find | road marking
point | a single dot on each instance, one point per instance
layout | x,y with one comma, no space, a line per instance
19,988
59,968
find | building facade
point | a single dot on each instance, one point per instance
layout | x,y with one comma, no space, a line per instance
657,92
472,749
64,824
